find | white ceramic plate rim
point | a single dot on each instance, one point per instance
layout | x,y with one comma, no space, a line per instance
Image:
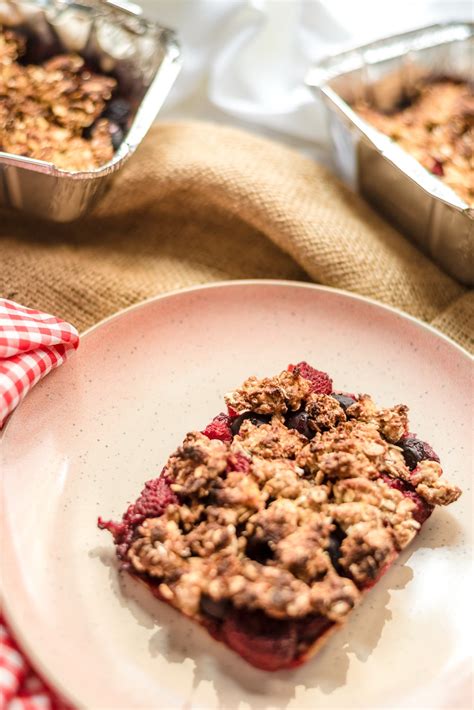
8,609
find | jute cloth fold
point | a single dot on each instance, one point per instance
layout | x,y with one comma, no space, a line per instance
199,203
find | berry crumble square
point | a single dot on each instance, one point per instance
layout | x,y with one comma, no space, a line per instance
436,128
269,526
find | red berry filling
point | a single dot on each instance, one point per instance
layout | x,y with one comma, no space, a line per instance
437,168
321,382
238,462
266,643
271,644
219,428
423,509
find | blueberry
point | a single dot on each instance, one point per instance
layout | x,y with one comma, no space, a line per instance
87,131
255,419
334,549
118,110
343,400
259,550
415,451
300,421
116,134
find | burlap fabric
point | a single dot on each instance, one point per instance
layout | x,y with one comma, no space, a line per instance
203,203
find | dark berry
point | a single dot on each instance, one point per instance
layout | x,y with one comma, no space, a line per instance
219,428
87,131
300,422
215,609
117,135
334,549
415,450
344,400
118,110
259,550
264,642
253,417
320,381
311,628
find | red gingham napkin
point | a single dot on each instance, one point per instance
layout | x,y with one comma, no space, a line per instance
20,687
31,345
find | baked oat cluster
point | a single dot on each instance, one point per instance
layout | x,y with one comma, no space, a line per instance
290,505
437,128
53,111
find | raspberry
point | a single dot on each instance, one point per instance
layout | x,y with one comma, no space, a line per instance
117,530
238,462
266,643
153,500
423,509
219,428
321,382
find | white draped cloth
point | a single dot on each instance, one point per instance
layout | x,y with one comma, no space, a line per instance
245,60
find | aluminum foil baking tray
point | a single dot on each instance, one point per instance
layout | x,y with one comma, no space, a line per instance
395,183
114,36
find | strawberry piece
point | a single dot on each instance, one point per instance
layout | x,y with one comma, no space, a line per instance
320,381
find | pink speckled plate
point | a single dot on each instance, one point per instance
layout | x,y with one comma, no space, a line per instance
86,439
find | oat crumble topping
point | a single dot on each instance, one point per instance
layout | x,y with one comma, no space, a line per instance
270,395
437,128
274,521
53,111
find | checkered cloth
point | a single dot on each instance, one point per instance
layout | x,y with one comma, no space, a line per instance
31,345
20,687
